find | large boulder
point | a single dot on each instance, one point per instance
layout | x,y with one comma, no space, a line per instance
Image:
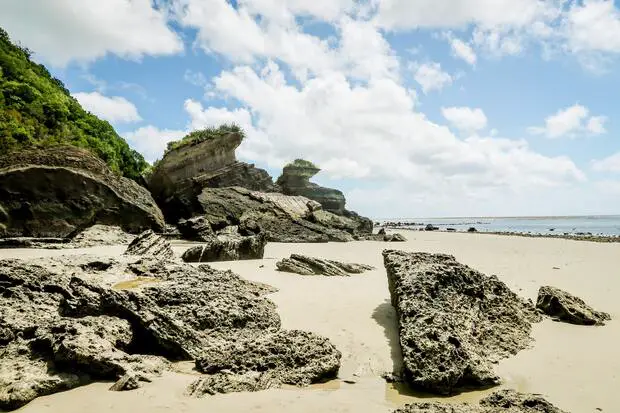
227,249
193,164
454,322
304,265
150,244
568,308
502,401
58,191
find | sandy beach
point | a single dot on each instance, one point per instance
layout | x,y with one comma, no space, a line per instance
575,367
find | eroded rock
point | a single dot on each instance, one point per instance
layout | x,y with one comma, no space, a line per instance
227,249
98,235
150,244
196,229
454,322
304,265
568,308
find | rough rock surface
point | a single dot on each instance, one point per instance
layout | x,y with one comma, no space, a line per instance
228,249
58,191
386,237
182,173
150,244
454,322
282,218
98,235
196,229
59,328
503,401
304,265
283,357
568,308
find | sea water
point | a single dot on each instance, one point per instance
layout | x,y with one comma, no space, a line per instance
596,225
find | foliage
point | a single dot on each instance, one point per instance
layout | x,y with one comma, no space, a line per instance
301,163
205,134
36,110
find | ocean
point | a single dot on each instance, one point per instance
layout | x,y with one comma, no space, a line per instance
608,225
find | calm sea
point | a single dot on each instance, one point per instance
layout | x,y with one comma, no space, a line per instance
596,225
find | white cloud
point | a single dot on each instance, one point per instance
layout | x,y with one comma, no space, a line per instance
593,26
195,78
151,141
463,51
62,31
431,77
609,164
570,122
115,109
465,119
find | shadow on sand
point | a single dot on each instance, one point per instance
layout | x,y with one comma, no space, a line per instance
385,316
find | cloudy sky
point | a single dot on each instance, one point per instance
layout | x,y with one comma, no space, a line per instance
414,108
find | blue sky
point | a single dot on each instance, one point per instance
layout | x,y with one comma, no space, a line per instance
411,107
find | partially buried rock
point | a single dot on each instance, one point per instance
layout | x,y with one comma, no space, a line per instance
568,308
454,322
150,244
503,401
284,357
304,265
228,249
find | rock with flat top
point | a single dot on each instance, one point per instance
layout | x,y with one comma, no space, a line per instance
304,265
454,322
227,249
568,308
150,244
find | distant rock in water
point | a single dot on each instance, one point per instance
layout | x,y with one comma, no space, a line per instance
202,159
304,265
502,401
454,322
568,308
58,191
227,249
150,244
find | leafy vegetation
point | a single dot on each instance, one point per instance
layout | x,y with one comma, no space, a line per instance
36,110
301,163
205,134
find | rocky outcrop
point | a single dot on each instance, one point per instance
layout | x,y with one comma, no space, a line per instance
98,235
568,308
227,249
503,401
285,357
454,322
179,177
384,236
304,265
280,217
196,229
150,244
58,191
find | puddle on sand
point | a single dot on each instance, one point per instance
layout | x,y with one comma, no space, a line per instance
400,394
135,283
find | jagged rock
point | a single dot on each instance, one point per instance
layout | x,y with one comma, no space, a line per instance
60,327
58,191
227,249
98,235
127,382
568,308
304,265
383,236
503,401
454,322
196,229
394,238
151,244
284,357
179,177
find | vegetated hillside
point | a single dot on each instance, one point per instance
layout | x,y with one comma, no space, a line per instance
36,110
209,133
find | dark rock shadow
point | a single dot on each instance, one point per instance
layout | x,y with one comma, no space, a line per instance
385,316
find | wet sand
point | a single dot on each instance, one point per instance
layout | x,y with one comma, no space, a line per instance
575,367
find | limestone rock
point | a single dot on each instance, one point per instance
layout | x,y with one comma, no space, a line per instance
454,322
304,265
196,229
227,249
283,357
58,191
151,244
98,235
568,308
503,401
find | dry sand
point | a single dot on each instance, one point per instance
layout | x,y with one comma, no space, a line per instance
577,368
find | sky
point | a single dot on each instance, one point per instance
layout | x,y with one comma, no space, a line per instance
413,108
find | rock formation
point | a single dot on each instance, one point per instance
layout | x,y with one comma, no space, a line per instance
304,265
196,229
227,249
384,236
503,401
150,244
454,322
284,357
184,171
65,322
59,191
568,308
98,235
